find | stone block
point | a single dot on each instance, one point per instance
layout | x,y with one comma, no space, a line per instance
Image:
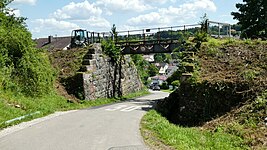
189,60
92,62
89,56
86,62
87,68
189,67
189,54
185,76
91,51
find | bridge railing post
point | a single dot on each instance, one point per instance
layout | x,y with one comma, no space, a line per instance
171,34
127,39
144,37
158,35
93,37
219,30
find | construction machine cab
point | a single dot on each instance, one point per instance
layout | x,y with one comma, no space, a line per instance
79,38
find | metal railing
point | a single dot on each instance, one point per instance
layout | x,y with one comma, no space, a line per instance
222,29
152,35
144,35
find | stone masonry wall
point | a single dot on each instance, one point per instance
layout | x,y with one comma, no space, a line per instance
99,75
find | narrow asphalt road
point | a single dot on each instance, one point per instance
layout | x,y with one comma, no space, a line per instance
112,127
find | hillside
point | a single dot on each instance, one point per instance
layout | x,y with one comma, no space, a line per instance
67,63
241,63
227,92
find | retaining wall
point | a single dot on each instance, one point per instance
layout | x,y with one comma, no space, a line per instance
103,78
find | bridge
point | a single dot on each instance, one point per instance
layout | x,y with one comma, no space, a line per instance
153,40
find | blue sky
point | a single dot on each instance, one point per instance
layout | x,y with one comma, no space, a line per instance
60,17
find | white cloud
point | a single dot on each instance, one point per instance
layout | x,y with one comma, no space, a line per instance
54,24
156,1
52,27
76,11
72,16
148,19
31,2
173,15
124,5
15,12
95,23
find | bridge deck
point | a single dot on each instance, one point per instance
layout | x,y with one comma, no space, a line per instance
153,40
151,46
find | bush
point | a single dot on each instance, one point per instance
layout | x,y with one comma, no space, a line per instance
176,83
23,68
164,86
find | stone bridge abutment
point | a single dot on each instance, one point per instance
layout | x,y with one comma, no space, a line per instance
102,78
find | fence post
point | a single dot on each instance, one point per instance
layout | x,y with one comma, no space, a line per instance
144,38
171,35
158,35
127,39
219,30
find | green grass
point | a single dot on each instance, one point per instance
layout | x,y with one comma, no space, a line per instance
168,91
212,42
46,105
186,138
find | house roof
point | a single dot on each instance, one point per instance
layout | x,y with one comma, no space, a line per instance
56,42
159,77
172,67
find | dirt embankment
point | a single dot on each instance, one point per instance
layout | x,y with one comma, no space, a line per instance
229,94
67,63
235,63
242,63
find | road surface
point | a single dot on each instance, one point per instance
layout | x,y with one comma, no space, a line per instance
111,127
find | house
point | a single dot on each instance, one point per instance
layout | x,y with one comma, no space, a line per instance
51,42
170,70
149,58
162,68
159,79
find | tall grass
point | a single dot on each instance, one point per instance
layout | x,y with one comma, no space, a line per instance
183,138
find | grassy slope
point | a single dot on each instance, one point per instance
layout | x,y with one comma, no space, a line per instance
67,63
153,124
244,127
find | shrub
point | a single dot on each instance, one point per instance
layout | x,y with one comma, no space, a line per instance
176,83
23,68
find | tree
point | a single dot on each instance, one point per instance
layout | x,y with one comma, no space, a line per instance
152,70
23,68
252,16
114,32
204,23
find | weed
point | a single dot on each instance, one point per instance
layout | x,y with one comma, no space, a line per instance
248,41
187,138
214,42
249,75
212,51
176,83
229,41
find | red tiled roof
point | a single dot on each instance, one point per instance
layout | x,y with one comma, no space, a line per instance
159,77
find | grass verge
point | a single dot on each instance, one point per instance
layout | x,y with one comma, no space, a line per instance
168,91
13,106
158,133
